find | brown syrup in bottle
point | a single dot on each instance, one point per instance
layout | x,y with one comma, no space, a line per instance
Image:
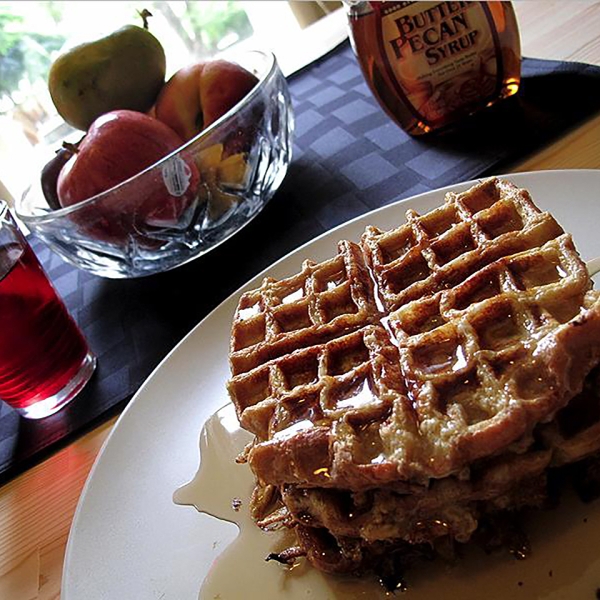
429,64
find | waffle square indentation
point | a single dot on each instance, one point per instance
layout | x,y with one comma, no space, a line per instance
330,276
419,316
481,198
441,350
498,327
397,245
536,270
292,317
412,269
347,356
249,332
477,289
337,302
466,393
440,220
503,218
303,370
251,389
459,242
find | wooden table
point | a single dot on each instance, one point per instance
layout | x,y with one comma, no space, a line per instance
37,507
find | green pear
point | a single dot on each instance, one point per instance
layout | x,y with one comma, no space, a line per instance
124,70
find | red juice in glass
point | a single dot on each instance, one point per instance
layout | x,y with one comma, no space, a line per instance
44,359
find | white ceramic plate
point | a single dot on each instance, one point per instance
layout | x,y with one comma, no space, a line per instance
130,541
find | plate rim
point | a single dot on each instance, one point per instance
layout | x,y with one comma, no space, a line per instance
65,593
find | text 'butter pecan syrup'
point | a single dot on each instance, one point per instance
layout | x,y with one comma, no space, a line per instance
429,64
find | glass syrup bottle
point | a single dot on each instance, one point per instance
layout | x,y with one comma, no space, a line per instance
429,64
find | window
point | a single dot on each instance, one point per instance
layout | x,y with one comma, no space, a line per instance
33,34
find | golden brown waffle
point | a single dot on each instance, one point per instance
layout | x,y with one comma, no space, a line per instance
443,247
321,302
487,360
343,530
452,506
308,397
449,507
420,382
487,326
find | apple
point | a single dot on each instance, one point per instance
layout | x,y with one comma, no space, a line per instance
119,145
197,95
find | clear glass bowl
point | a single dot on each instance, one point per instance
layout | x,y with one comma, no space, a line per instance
187,203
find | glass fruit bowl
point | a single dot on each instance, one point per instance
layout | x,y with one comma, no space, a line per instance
187,203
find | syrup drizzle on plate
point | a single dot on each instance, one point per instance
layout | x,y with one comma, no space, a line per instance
222,489
565,537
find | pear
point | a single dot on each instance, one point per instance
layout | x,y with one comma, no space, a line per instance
124,70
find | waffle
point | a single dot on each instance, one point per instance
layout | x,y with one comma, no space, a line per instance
341,392
453,505
322,302
443,247
448,507
411,384
344,531
575,433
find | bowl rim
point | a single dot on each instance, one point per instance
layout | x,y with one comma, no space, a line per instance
270,73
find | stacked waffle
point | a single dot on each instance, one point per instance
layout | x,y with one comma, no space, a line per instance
414,385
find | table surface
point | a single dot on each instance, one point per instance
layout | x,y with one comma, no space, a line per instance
36,508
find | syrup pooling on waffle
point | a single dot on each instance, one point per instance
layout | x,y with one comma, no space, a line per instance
492,327
482,362
342,390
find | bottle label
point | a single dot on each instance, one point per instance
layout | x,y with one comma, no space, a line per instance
440,56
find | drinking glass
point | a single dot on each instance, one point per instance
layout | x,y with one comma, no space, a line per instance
44,359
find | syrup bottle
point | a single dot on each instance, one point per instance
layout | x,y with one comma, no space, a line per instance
429,64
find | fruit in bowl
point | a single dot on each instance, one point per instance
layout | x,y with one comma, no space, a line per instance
129,200
197,95
100,87
119,145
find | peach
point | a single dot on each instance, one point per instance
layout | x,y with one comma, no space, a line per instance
197,95
178,104
222,85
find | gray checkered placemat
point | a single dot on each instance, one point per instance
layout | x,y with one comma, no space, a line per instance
349,158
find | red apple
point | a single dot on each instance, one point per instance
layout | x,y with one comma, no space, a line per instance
119,145
197,95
